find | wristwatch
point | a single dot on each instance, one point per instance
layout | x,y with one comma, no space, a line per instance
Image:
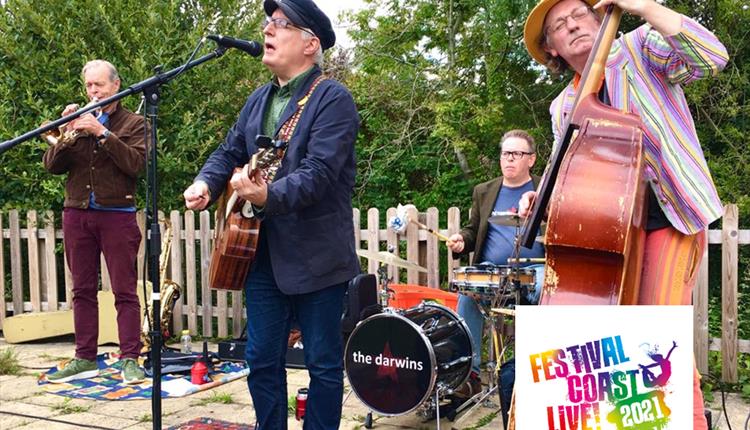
105,134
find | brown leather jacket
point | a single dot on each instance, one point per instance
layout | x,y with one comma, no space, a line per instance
109,169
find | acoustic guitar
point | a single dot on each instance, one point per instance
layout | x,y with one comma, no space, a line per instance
237,227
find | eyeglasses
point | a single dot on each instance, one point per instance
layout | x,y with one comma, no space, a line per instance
560,23
512,155
283,23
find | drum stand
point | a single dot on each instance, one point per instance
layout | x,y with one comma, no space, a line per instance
496,352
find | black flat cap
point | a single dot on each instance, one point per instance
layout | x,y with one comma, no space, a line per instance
304,13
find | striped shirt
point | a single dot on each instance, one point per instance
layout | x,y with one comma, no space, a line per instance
644,74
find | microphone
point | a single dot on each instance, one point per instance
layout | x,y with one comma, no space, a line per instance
253,48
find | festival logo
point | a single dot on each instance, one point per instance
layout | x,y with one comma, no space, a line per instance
604,367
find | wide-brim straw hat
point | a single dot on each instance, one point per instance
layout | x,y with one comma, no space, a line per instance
533,31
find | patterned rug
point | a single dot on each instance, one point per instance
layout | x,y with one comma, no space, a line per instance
210,424
108,385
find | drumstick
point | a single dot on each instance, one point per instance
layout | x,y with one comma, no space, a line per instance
429,230
526,260
510,312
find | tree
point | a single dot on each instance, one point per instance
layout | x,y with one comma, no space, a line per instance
44,44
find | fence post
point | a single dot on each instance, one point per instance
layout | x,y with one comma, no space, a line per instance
454,226
176,269
191,275
373,228
206,296
700,313
68,280
433,249
140,219
356,220
729,262
50,260
412,246
16,262
3,306
32,248
391,240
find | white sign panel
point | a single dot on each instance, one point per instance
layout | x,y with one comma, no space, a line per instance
604,367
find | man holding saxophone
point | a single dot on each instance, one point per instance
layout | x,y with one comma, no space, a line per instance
102,163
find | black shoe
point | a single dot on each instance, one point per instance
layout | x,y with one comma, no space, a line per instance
470,388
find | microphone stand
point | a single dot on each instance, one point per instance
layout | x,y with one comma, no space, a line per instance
150,89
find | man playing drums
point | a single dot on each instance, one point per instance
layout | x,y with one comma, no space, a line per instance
494,243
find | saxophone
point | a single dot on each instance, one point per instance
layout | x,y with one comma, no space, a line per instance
169,292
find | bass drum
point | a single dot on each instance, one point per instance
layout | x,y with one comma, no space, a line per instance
396,360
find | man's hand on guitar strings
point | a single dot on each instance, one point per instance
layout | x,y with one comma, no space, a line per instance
250,185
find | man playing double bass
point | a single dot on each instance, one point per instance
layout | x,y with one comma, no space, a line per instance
644,73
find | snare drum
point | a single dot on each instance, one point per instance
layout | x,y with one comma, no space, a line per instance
484,280
488,280
396,360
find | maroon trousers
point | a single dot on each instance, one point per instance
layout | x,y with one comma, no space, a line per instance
86,234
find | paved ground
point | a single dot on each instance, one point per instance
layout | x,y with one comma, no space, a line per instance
24,406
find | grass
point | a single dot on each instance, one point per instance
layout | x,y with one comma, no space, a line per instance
712,382
9,362
67,408
50,357
147,418
483,421
224,398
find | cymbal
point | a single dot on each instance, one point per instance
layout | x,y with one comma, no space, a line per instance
388,258
510,219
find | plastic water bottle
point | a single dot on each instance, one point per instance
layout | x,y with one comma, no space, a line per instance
186,346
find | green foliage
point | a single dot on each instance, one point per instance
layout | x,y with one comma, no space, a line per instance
45,43
291,405
9,362
223,398
437,85
712,383
68,407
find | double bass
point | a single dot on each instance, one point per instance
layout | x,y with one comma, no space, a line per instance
594,191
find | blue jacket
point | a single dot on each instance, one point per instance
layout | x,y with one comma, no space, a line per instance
307,219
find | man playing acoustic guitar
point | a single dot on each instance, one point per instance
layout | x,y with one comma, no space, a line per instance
305,255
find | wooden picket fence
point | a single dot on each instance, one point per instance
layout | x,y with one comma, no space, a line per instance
33,275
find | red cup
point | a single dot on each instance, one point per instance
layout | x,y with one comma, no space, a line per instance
198,373
301,403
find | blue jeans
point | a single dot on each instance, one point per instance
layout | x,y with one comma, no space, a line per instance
269,317
533,298
468,309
